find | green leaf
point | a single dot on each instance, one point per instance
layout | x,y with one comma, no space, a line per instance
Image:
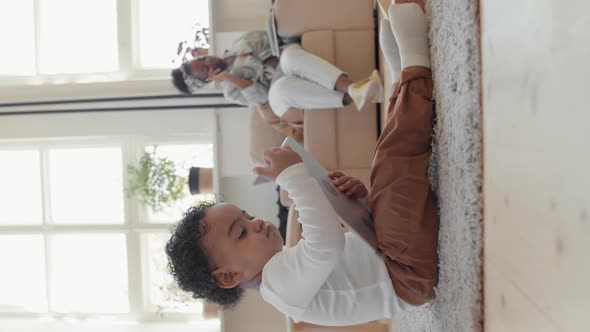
154,182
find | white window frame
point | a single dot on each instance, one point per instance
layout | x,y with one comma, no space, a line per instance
128,53
132,148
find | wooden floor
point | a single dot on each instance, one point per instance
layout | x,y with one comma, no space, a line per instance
536,73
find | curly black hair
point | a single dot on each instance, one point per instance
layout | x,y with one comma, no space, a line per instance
178,81
189,264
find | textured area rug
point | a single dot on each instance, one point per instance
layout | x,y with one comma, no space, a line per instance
456,170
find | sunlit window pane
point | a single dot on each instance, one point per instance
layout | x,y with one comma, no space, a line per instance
88,273
20,192
163,24
78,36
17,37
164,293
86,186
184,156
22,281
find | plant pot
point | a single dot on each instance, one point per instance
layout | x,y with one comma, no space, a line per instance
200,180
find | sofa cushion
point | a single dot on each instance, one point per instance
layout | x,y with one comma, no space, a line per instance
342,138
295,17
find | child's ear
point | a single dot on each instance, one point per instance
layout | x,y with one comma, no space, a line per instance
227,278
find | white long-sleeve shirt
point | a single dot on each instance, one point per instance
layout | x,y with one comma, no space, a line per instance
328,278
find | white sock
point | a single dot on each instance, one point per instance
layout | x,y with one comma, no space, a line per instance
390,49
408,24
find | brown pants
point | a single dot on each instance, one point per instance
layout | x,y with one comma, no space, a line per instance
403,204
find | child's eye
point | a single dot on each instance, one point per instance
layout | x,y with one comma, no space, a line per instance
242,234
252,217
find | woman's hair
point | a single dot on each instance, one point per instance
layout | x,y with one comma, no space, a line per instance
189,264
178,81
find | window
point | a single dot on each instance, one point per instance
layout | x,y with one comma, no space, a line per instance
60,41
84,41
164,294
185,156
73,243
157,40
74,194
18,56
23,288
20,175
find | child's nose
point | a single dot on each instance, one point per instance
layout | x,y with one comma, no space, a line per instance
259,225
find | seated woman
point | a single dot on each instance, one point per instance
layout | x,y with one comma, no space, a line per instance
249,74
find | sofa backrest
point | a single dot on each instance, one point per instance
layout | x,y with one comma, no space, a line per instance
294,17
342,138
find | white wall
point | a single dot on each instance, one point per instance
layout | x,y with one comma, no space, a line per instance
149,123
233,142
260,200
45,92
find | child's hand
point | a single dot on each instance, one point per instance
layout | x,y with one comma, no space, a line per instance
350,186
277,160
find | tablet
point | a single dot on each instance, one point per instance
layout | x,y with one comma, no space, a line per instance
355,215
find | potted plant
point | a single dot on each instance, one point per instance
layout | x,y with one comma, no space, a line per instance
156,183
196,46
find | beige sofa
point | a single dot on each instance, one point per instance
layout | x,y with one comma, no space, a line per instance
343,33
